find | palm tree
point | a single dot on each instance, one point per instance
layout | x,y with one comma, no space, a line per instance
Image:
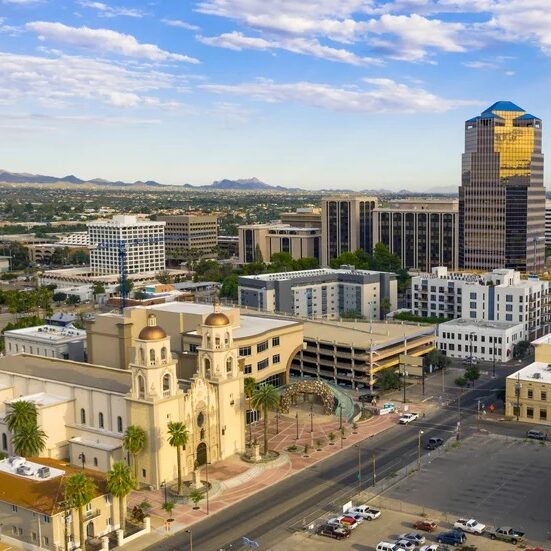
265,397
79,491
21,414
134,441
250,386
120,483
29,441
178,437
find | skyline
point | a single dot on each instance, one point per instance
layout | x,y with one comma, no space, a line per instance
323,95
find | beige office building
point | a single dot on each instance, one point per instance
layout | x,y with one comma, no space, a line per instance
305,217
189,232
346,225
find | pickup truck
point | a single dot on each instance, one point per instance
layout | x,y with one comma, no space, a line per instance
469,525
506,533
407,418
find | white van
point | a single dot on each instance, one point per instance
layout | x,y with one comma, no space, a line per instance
386,546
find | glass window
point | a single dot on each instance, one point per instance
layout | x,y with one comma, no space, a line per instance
530,413
543,414
262,364
275,359
530,393
275,341
245,351
543,396
262,346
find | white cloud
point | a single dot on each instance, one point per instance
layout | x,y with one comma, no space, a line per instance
480,65
62,81
22,2
103,40
382,95
180,24
309,46
111,11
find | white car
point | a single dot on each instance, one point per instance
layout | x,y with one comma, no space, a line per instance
386,546
364,511
406,418
417,539
471,526
433,547
405,544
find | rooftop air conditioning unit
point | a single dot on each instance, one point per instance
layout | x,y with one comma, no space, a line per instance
43,472
536,376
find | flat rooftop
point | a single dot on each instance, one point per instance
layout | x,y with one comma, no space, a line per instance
546,339
481,324
41,399
189,308
537,372
49,333
363,334
280,276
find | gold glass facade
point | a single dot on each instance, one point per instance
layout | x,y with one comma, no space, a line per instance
502,196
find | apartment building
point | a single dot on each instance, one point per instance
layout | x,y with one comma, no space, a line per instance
500,295
305,217
321,293
547,222
491,341
189,232
423,233
346,225
143,243
267,239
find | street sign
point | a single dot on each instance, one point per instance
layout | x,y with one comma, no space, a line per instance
411,365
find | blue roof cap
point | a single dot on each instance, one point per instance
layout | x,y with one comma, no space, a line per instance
474,119
503,106
527,117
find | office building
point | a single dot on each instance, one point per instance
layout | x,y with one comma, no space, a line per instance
500,295
228,246
547,223
142,240
490,341
502,195
264,240
346,225
305,217
321,293
423,233
353,353
190,232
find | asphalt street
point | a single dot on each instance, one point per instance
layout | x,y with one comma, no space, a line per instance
266,516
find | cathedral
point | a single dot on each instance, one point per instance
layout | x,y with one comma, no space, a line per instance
98,403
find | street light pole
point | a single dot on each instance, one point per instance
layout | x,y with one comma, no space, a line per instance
296,417
277,421
311,417
419,450
163,485
478,415
190,539
374,473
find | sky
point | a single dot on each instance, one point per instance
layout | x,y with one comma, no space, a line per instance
357,94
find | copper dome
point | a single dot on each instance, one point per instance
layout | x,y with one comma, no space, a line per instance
217,319
152,333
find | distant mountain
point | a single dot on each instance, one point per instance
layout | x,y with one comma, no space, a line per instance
25,178
247,184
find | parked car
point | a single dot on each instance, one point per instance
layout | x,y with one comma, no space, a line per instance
470,361
335,532
407,418
506,533
433,443
425,525
417,539
455,537
365,511
346,521
433,547
536,435
386,546
469,525
368,397
358,518
405,544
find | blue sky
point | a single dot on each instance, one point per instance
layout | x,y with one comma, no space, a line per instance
310,93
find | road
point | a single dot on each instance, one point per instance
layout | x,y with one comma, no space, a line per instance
266,516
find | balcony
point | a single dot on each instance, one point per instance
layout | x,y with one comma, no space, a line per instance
89,515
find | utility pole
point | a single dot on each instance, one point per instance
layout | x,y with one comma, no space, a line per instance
518,396
494,358
296,417
373,467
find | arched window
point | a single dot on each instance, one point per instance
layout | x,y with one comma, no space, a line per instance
163,353
229,365
217,341
152,356
207,365
100,420
141,387
166,385
208,340
227,338
4,441
119,424
82,416
142,357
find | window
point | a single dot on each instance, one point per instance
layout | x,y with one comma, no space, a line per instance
166,384
193,348
261,346
82,416
14,508
33,536
100,420
262,364
248,368
472,305
543,415
229,365
530,394
141,387
275,359
508,298
275,341
473,296
95,461
152,356
163,354
530,413
543,395
509,317
245,351
46,519
144,472
4,441
119,424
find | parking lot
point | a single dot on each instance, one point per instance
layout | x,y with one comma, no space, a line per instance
496,479
386,528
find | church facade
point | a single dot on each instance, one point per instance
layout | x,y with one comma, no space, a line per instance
85,409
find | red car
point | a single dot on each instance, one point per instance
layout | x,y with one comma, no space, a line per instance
426,525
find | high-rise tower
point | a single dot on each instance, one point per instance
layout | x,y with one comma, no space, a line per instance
502,196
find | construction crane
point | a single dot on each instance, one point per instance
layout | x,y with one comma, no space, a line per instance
120,245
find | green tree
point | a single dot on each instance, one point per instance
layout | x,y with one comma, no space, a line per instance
73,299
389,380
21,415
99,289
384,260
282,262
437,359
472,373
385,306
265,397
79,491
178,437
59,297
230,287
134,441
29,441
126,284
196,496
258,255
140,295
520,349
461,381
164,277
120,483
347,258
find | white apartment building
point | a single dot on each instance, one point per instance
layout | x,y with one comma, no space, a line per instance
321,293
501,295
483,340
142,240
65,343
